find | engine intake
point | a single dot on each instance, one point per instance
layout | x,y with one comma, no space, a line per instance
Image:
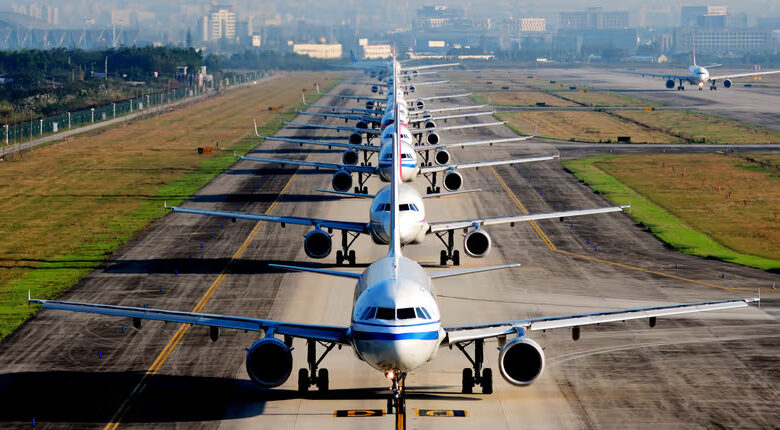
269,362
432,139
477,243
727,83
420,104
670,83
521,361
361,124
369,105
317,244
341,181
411,88
442,156
355,138
430,124
374,89
452,181
350,157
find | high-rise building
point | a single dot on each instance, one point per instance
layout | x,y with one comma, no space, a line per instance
593,18
533,25
222,23
204,28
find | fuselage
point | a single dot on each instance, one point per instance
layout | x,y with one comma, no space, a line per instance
396,323
410,166
412,223
699,75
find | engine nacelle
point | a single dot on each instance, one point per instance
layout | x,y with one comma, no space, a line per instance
361,124
670,83
521,361
727,83
350,157
317,244
269,362
355,138
415,73
477,243
452,181
374,89
420,104
441,157
432,138
369,105
341,181
411,88
430,124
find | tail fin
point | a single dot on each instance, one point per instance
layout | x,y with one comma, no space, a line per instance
693,42
395,180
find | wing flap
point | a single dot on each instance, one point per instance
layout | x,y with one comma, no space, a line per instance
454,225
478,164
314,222
315,164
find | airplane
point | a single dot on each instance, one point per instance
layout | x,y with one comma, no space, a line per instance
395,325
698,76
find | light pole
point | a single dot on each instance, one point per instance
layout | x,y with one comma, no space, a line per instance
93,114
114,106
68,120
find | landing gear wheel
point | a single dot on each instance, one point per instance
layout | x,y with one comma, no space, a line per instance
339,258
352,258
323,380
487,381
365,190
303,380
390,407
428,190
468,381
456,258
357,190
443,258
437,190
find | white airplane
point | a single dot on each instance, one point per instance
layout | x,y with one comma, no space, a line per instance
412,166
395,325
698,76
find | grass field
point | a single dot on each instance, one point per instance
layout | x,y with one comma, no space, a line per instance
66,207
518,98
602,98
708,205
583,126
697,127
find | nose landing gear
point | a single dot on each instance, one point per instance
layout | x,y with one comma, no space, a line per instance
396,403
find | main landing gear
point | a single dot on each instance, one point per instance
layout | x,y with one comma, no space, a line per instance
680,87
477,375
345,254
312,376
362,188
449,254
433,189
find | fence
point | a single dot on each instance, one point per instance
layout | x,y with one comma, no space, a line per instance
27,130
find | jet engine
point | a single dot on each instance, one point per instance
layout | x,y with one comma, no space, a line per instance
430,124
370,105
355,138
350,157
477,243
361,124
670,83
452,181
415,73
727,83
374,89
420,104
521,361
317,244
269,362
411,88
442,156
341,181
432,138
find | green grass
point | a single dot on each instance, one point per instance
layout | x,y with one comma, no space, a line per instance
657,220
48,277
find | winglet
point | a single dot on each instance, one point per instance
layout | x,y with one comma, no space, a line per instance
256,133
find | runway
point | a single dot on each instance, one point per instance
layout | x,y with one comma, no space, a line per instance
712,370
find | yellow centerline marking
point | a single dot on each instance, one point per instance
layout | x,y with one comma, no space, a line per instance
179,334
553,248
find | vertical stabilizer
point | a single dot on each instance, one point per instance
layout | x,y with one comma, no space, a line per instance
395,232
693,42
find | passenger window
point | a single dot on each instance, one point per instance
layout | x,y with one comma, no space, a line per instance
385,313
406,313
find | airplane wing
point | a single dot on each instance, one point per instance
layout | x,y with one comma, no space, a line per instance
371,148
485,331
416,84
352,110
477,164
424,111
454,225
460,115
358,98
358,227
456,127
655,75
742,75
471,143
319,165
440,97
336,127
340,116
429,66
306,331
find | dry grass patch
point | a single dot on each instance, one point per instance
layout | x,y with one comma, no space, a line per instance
520,98
583,126
601,98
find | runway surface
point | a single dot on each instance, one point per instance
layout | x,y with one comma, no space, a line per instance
713,370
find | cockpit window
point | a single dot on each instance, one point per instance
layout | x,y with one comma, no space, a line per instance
406,156
420,313
385,313
368,313
406,313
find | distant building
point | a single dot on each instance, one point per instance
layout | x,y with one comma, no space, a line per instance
689,15
222,23
313,50
533,25
256,40
723,40
120,17
376,51
768,23
593,18
204,28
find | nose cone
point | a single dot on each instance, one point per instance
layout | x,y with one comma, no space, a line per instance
403,355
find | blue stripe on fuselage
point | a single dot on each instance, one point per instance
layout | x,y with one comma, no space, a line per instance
373,335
